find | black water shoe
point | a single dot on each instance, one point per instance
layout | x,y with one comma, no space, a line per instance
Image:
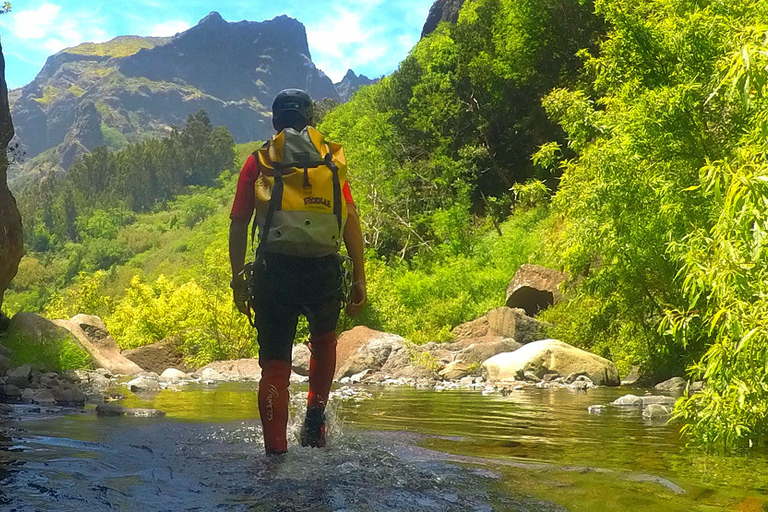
313,430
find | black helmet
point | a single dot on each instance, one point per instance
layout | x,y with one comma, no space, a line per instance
292,100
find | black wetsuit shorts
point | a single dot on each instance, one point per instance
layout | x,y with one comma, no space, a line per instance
285,287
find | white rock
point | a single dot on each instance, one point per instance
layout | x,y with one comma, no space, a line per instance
143,384
550,356
211,375
173,375
358,377
628,400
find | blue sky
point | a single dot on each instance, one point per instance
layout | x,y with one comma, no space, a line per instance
369,36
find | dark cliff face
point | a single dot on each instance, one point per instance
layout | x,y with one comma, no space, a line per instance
441,10
232,70
232,61
10,220
351,83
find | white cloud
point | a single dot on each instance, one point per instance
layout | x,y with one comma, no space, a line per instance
340,42
356,35
168,28
52,29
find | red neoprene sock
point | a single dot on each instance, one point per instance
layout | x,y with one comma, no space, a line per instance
322,366
273,403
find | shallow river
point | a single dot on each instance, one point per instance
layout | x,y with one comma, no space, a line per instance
389,449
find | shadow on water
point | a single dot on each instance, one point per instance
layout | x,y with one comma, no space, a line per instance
395,450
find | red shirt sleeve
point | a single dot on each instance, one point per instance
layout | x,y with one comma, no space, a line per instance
347,193
245,197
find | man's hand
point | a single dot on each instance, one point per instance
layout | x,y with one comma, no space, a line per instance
239,286
357,299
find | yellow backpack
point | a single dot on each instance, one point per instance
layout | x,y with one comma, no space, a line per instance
300,209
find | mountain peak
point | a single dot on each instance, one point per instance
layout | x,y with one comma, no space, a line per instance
213,18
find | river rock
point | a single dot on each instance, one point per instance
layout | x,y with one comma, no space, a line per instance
300,361
235,370
359,377
372,355
657,411
158,357
96,340
143,384
628,401
455,371
534,288
485,348
173,375
550,356
211,375
95,381
116,410
658,400
5,364
580,383
350,341
10,393
38,396
21,376
68,395
674,386
698,386
502,322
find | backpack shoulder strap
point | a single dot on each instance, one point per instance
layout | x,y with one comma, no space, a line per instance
336,186
255,223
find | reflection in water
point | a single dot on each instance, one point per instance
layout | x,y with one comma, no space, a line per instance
401,449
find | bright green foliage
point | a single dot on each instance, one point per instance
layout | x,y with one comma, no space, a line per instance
725,270
59,355
205,320
423,299
455,126
85,296
102,191
664,204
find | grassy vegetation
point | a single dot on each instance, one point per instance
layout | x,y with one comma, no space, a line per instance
122,46
47,354
76,90
50,94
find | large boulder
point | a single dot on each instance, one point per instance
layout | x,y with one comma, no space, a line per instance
10,220
550,356
91,332
158,357
300,359
503,322
235,370
372,355
350,341
534,288
35,329
485,348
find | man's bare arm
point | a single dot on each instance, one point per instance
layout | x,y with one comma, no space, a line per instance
238,244
353,239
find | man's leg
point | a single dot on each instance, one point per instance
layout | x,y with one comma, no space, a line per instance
275,318
273,403
322,366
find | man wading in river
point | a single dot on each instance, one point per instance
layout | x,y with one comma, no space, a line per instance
297,185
